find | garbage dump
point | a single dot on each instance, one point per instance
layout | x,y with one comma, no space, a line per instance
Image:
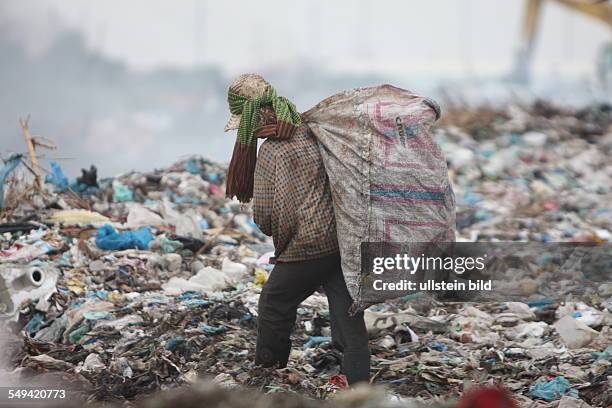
122,287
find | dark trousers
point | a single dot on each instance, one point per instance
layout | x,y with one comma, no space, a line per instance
289,285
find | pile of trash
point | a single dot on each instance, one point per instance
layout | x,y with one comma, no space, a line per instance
126,286
537,173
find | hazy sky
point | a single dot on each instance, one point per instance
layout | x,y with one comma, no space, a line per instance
127,119
386,36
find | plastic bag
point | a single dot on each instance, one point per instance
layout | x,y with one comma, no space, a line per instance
108,238
388,177
57,178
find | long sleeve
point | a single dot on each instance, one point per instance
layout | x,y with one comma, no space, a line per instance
263,190
292,200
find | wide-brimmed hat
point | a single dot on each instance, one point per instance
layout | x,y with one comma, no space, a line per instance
248,85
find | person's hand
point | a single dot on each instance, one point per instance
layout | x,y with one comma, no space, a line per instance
266,131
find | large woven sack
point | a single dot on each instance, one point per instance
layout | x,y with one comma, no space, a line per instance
388,177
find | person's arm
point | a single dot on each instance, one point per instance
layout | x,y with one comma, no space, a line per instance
263,189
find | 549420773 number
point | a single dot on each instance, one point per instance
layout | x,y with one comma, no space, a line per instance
34,394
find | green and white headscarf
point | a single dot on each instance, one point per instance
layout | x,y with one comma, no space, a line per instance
242,165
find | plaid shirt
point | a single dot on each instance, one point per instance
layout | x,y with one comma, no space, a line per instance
292,198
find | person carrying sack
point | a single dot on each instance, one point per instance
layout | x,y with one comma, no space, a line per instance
292,203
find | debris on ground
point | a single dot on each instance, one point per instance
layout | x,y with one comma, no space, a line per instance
149,281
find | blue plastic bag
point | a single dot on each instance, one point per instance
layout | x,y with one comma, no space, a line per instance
9,166
108,238
83,189
192,167
57,178
212,329
35,324
553,390
315,341
122,193
213,177
177,343
604,355
439,346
